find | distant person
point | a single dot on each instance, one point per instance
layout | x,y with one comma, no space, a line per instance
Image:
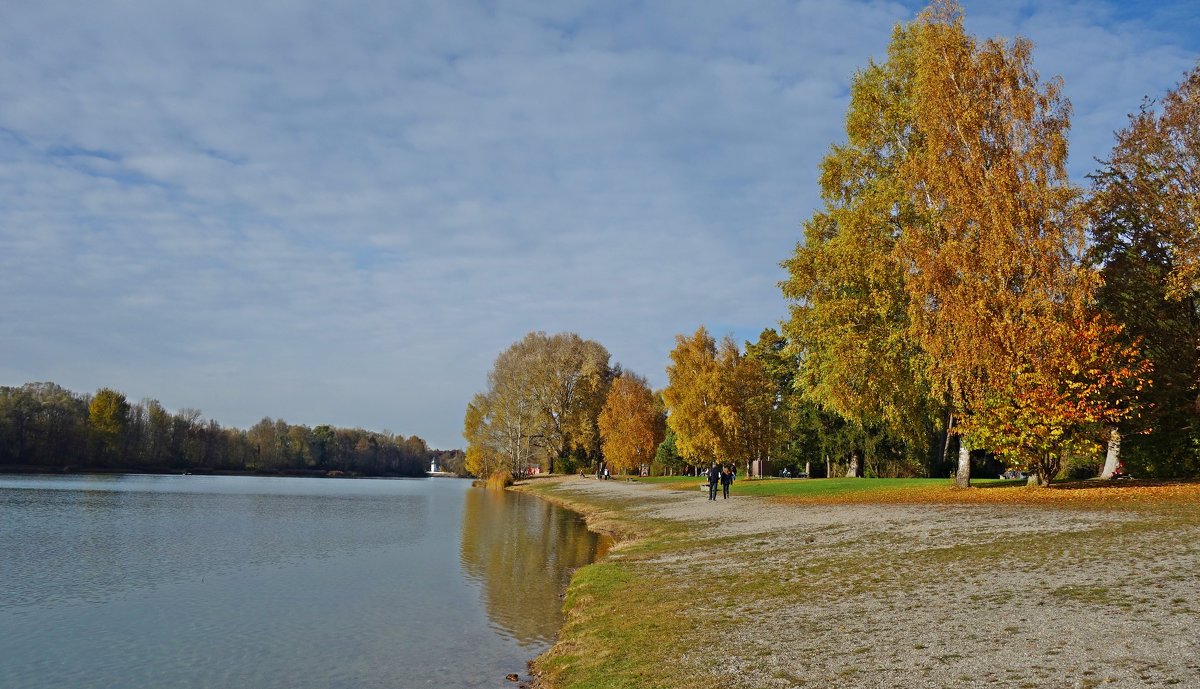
726,481
606,476
714,476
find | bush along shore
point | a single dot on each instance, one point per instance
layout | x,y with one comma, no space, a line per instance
871,583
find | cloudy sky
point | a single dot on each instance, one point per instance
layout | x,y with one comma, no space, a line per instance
340,212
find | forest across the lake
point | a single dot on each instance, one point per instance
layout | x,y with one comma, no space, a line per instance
46,426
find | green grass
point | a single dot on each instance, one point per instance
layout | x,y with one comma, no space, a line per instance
824,487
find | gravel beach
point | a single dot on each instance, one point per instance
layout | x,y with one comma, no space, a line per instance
874,595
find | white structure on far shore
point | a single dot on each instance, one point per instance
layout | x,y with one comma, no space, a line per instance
433,466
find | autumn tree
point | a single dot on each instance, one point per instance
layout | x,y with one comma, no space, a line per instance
1043,413
748,406
993,268
1145,239
631,423
721,403
692,397
108,417
543,400
569,380
849,330
948,255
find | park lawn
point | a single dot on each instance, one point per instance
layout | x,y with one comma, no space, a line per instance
1135,494
821,489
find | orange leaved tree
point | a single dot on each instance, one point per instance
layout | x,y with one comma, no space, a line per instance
1078,381
631,423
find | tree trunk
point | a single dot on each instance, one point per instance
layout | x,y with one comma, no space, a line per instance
962,478
1114,453
827,474
852,467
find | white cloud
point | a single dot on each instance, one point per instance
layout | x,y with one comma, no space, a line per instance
342,213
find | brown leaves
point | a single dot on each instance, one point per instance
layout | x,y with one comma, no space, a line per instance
1093,494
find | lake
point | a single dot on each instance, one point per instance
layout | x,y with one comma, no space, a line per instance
135,581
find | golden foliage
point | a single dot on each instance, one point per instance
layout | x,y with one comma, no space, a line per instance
631,425
499,480
849,321
946,266
544,394
995,262
748,406
691,397
722,404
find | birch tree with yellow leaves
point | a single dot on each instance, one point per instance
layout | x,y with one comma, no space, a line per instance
994,270
849,324
949,252
692,397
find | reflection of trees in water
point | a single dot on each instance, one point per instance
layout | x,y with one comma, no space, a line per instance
522,551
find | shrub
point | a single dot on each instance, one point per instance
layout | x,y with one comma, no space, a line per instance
1080,468
500,480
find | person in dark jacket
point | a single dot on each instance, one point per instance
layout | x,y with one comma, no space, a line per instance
726,480
714,475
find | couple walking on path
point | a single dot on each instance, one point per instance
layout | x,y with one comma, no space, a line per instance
722,474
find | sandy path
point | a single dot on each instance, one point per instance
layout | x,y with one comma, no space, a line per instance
936,596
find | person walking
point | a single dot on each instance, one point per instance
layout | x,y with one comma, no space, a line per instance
714,475
726,481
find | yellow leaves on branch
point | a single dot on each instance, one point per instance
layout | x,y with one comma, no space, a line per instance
721,403
691,396
631,424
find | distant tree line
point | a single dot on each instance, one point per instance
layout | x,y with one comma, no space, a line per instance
45,425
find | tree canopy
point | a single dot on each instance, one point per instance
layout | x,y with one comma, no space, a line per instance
542,404
947,264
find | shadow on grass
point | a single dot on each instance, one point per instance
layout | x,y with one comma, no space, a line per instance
1122,484
996,483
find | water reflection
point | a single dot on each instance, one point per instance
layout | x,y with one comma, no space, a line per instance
521,551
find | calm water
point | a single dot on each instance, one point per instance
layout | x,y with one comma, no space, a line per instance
130,582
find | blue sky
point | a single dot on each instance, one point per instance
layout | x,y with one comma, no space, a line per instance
340,212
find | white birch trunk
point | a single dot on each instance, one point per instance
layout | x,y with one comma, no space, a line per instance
1113,457
962,478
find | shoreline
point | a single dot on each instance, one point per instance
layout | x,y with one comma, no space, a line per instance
873,595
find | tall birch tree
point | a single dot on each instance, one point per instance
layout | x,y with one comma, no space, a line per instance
692,397
849,326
